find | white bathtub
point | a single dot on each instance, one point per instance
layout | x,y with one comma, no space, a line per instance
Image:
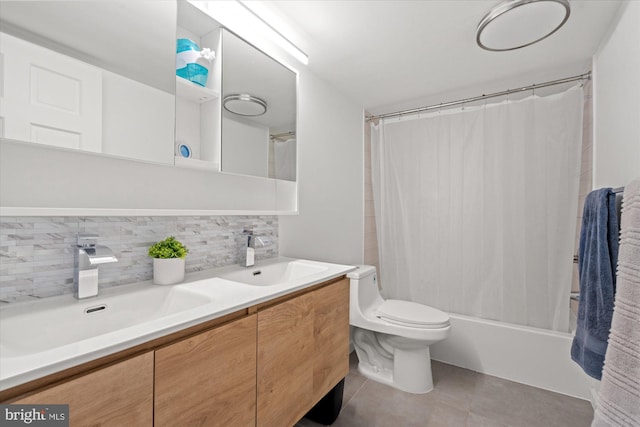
532,356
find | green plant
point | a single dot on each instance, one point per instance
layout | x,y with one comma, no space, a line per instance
168,248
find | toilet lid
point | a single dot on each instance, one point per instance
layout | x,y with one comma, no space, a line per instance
412,314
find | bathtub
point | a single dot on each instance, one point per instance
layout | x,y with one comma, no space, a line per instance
527,355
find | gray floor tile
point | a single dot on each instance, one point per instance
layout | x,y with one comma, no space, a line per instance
379,405
460,398
352,384
453,385
517,404
475,420
354,380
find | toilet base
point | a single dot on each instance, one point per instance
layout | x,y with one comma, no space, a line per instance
407,369
412,370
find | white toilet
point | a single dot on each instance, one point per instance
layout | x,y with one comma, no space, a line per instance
392,337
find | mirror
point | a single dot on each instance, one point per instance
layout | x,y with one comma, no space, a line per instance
258,114
94,76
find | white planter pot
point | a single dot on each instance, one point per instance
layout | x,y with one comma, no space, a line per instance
168,271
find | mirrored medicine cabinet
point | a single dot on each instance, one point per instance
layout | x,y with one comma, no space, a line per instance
100,77
259,112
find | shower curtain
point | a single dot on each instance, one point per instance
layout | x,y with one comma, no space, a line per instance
285,159
476,208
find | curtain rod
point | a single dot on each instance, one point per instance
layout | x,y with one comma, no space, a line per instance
282,135
585,76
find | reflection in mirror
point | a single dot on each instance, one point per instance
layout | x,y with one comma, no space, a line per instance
259,112
95,76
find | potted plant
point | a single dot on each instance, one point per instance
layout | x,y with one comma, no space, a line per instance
168,261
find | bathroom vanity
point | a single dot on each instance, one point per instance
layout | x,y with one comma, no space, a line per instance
264,356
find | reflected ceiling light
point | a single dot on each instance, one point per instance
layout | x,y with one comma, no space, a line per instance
513,24
244,105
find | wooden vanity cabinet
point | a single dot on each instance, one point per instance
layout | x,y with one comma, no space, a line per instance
303,352
208,379
266,366
118,395
285,362
331,337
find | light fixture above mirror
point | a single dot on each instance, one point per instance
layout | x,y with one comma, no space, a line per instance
254,23
514,24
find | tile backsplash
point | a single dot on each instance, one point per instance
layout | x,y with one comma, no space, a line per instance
36,253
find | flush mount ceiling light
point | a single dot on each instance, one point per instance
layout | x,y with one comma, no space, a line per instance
513,24
244,105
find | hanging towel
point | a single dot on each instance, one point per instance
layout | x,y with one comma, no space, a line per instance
597,261
619,397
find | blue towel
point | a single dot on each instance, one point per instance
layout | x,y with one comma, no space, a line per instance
597,262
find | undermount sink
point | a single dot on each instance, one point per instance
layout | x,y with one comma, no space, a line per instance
275,273
25,331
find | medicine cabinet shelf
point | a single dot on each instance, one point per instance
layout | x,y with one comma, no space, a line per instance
192,163
193,92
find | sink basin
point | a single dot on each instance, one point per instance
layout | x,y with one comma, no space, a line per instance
276,273
26,331
41,337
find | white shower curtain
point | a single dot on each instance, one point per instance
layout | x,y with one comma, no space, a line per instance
285,159
476,208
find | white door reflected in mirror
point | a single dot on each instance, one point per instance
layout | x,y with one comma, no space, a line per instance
90,76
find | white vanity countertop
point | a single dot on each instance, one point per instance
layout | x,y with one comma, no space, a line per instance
38,338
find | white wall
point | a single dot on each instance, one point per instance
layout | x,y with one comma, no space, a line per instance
246,147
329,226
617,102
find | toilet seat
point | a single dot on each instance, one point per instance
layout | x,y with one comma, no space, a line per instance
407,313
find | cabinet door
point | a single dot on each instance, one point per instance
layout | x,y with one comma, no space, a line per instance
119,395
331,336
285,362
208,379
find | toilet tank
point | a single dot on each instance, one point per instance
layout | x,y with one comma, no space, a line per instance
364,287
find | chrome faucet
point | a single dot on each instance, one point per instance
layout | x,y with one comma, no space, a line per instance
87,256
248,252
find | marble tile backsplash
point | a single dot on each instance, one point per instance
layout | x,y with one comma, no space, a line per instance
36,256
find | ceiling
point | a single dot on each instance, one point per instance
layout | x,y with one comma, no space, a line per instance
381,53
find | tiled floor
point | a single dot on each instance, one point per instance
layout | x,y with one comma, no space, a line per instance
460,398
